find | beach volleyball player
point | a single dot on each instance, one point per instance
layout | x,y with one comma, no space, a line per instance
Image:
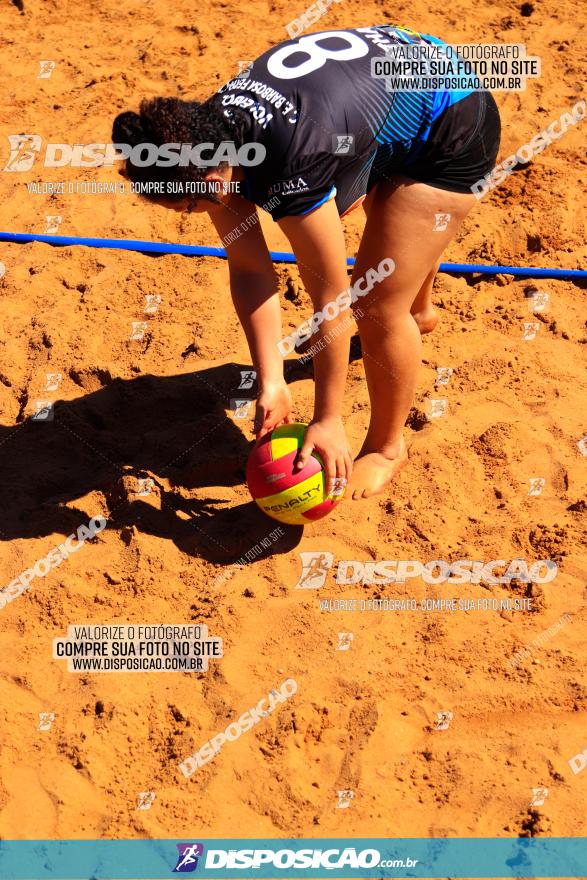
334,137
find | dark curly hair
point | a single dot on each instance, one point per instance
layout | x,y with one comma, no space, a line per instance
173,121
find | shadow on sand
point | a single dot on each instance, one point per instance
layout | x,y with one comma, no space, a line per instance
171,428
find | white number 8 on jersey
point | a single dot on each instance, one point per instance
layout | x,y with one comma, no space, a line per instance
317,55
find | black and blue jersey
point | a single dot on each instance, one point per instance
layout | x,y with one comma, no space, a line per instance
329,127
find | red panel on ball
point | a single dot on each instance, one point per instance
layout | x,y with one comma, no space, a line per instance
267,477
321,509
261,452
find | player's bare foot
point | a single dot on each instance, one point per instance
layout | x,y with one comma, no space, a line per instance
426,320
374,471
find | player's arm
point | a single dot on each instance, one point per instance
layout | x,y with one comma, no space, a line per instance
253,286
318,243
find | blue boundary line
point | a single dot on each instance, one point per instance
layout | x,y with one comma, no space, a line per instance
194,250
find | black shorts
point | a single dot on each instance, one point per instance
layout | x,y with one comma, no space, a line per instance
462,145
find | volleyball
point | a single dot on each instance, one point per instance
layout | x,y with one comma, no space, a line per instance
295,498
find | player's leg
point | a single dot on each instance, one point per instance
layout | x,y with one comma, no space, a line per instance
400,223
422,309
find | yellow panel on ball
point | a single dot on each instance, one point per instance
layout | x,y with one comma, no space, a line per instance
286,439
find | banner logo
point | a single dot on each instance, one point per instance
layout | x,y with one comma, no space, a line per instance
187,860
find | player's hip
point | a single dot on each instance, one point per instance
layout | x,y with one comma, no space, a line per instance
461,147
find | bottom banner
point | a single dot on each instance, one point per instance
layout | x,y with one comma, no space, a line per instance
275,858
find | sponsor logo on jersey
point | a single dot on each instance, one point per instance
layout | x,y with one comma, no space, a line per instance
288,187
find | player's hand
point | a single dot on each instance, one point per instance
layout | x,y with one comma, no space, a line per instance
327,437
273,408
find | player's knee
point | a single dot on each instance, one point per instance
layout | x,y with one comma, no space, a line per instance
426,321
